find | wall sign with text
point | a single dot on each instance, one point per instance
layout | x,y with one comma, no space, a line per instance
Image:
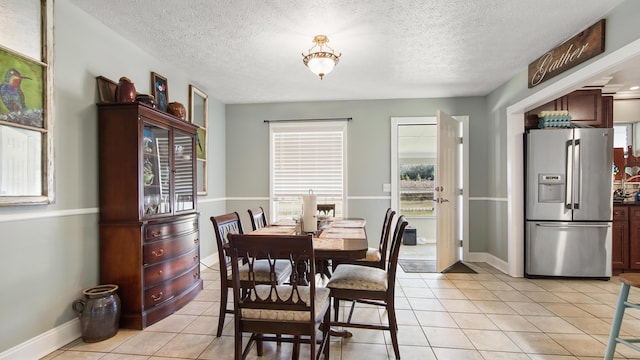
580,48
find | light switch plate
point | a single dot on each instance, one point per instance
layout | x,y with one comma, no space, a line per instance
386,187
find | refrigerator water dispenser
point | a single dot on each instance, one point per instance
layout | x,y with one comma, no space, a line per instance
550,188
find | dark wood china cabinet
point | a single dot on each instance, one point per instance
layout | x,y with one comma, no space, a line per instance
149,238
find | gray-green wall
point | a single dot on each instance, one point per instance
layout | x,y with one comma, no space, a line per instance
49,254
368,149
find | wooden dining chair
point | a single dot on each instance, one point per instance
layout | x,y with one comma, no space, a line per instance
377,257
324,266
292,312
258,218
370,285
327,209
224,225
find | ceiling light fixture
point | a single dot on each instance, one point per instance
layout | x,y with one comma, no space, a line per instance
321,62
635,87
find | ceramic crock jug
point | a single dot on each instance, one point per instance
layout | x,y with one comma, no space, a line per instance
177,109
125,91
99,312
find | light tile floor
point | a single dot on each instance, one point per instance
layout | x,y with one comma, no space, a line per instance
487,315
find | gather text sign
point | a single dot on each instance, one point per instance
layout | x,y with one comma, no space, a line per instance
580,48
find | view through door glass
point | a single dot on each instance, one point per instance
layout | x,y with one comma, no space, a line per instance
417,144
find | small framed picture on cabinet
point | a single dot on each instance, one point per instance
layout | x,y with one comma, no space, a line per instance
160,90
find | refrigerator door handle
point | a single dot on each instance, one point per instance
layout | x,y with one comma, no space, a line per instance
568,201
567,226
577,188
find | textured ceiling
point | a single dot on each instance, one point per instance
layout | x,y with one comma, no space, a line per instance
249,51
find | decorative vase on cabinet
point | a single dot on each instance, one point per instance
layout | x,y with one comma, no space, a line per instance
149,237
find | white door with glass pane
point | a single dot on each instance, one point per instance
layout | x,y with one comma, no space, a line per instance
414,180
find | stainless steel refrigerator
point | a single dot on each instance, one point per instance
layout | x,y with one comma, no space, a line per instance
568,202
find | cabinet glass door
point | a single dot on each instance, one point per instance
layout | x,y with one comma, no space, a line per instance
184,172
155,170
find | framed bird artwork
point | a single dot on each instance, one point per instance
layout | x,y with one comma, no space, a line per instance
22,90
26,103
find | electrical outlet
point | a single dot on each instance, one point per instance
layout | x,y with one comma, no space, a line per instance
386,187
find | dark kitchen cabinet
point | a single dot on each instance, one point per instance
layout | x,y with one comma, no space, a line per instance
607,111
586,107
625,244
620,238
634,237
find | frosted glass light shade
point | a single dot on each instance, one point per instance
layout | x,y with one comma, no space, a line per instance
321,66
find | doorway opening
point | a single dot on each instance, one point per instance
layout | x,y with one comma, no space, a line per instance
417,155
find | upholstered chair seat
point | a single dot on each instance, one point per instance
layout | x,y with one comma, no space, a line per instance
358,277
284,291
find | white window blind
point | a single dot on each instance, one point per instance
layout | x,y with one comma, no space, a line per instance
307,156
623,137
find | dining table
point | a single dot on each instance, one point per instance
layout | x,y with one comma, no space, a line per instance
336,239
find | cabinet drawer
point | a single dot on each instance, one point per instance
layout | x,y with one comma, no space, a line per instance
169,269
634,213
620,213
168,289
156,231
167,249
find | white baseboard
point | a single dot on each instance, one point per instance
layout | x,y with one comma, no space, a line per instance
209,261
489,259
45,343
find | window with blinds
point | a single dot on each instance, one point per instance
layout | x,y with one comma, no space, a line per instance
307,156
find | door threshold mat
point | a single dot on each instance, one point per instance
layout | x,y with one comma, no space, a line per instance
417,266
429,266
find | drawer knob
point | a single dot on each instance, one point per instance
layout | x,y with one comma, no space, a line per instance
196,240
195,258
158,253
160,272
158,297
